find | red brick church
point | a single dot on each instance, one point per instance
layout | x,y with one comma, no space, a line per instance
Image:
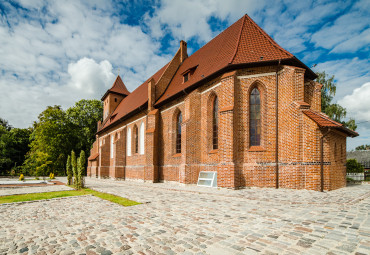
241,108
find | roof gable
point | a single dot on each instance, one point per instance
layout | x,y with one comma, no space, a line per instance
118,87
133,101
244,42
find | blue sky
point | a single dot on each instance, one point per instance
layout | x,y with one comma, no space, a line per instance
58,52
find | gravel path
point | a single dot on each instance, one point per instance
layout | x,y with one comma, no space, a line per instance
177,219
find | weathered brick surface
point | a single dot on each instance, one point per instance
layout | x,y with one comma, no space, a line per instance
237,163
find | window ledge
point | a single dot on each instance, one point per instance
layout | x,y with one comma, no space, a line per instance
177,155
256,148
213,151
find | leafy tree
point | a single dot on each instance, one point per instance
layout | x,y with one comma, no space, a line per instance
13,147
354,167
51,136
83,117
69,170
58,132
334,111
5,124
363,147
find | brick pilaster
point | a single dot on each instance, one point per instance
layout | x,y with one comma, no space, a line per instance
151,147
226,173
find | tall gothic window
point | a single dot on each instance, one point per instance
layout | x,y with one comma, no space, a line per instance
255,118
142,136
128,142
136,140
215,124
178,133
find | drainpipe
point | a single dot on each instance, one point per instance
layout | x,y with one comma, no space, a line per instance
322,160
277,127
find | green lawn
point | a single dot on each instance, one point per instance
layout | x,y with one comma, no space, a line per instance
67,193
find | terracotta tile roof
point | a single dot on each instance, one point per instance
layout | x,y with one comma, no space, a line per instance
118,87
243,42
93,156
133,101
324,121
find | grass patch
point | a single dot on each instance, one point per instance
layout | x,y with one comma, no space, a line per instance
67,193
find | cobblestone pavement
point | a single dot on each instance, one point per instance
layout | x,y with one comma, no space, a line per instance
177,219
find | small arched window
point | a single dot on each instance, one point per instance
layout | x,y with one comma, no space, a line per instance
142,135
215,124
128,142
255,118
178,133
136,140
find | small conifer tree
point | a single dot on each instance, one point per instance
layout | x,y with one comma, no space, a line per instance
69,171
80,170
74,167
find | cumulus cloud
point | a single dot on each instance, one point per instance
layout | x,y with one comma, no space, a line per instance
90,77
349,74
59,52
358,103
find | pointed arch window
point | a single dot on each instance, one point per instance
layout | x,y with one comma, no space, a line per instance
178,133
136,140
142,135
215,124
129,142
255,117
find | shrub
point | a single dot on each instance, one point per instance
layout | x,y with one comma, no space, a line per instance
21,177
69,170
80,168
354,167
74,167
51,176
37,178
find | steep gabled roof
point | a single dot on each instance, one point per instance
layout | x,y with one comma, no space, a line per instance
118,87
136,99
244,42
324,121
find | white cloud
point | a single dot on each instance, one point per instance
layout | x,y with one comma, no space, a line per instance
349,74
358,103
186,20
340,34
91,78
62,51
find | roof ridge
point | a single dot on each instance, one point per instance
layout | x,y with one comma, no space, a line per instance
237,43
273,43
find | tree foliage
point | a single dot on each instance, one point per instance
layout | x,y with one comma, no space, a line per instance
13,146
333,110
354,167
69,170
363,147
57,132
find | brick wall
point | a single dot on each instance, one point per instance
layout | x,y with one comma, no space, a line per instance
237,163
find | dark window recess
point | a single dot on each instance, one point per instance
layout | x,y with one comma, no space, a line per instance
215,124
255,118
178,133
115,99
186,77
136,137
